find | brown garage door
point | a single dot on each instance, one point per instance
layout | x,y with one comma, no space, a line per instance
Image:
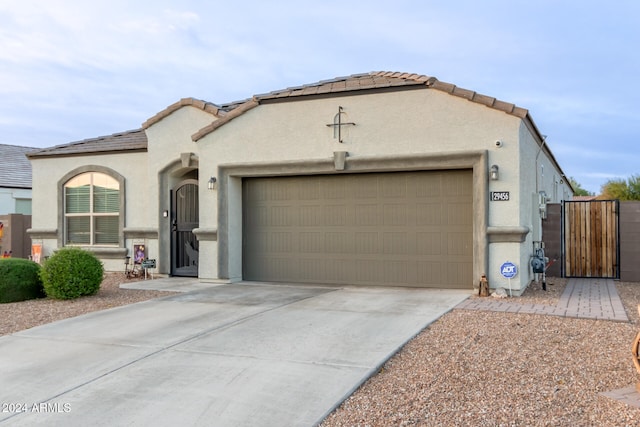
398,229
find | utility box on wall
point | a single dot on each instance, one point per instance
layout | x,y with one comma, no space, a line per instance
14,239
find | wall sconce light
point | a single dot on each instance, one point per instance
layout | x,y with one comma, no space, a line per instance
211,185
493,173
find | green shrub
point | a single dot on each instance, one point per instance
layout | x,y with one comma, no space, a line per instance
71,273
19,280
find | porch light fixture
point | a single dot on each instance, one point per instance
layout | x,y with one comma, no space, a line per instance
211,185
493,173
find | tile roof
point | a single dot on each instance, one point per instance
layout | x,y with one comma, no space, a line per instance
16,169
129,141
197,103
377,80
374,81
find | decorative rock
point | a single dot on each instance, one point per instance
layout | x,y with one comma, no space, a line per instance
499,293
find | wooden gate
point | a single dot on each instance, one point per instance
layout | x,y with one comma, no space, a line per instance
591,239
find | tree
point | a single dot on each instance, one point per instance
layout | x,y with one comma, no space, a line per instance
634,187
622,189
578,188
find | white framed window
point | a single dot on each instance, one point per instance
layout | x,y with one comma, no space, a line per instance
92,210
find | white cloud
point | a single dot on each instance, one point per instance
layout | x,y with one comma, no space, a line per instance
72,70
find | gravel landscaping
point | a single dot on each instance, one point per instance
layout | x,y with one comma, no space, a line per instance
473,368
469,368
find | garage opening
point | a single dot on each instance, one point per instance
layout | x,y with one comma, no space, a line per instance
390,229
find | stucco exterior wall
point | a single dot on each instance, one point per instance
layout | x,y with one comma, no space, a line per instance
172,157
148,179
407,123
536,172
48,177
8,197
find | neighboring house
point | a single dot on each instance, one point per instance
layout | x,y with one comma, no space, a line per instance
15,180
372,179
15,201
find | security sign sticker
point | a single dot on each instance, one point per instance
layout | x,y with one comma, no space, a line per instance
508,270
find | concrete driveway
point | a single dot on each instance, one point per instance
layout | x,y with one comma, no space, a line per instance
244,354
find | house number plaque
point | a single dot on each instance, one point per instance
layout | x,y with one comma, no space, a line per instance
499,196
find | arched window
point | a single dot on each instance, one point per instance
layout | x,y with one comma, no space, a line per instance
92,210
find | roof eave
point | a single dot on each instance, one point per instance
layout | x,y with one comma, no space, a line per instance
184,102
85,153
224,120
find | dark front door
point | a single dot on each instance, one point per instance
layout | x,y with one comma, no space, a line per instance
184,245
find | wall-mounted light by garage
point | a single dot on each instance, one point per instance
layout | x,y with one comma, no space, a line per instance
493,173
213,183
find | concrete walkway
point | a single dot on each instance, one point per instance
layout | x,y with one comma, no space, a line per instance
247,354
582,298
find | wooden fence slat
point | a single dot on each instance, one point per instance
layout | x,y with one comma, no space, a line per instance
591,239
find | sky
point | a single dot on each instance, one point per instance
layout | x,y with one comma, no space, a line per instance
72,69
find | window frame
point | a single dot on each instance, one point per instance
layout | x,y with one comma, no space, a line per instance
62,208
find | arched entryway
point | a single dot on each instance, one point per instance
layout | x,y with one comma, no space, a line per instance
184,219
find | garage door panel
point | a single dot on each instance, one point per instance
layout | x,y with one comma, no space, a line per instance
397,243
312,242
367,271
429,214
282,242
457,214
368,214
339,271
334,215
408,229
458,273
334,189
430,273
367,242
338,242
310,215
395,215
308,189
311,269
458,244
429,243
399,272
361,187
394,187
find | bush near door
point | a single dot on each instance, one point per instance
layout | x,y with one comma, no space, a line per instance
71,273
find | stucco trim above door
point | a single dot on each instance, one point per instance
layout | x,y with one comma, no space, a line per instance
516,234
208,234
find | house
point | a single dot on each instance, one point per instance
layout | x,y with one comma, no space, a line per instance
15,180
15,201
380,178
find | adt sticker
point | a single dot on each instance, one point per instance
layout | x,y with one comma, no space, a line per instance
508,270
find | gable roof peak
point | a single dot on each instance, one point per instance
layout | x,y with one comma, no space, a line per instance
208,107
